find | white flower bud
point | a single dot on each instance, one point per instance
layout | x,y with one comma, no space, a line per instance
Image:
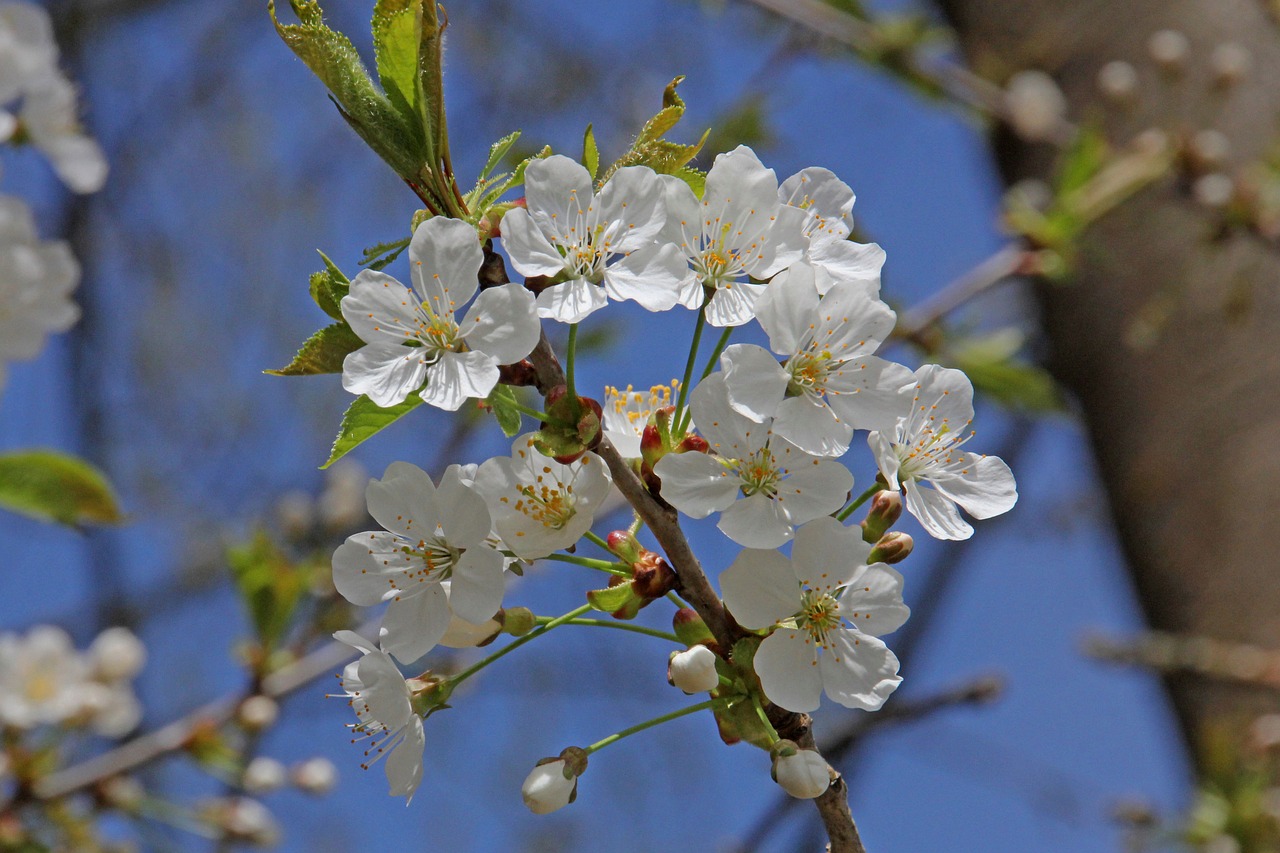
1036,105
263,775
694,670
116,655
1211,148
248,820
1169,49
1230,63
124,792
315,776
548,788
257,713
802,773
1118,81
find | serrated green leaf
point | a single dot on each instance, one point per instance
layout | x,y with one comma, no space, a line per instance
500,401
696,179
332,57
497,151
650,149
328,287
323,352
1016,384
380,256
365,419
397,34
590,153
53,486
270,585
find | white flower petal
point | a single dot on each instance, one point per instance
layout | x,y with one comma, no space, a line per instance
826,554
787,308
404,501
475,593
757,521
760,589
936,512
886,459
558,192
985,487
464,515
828,200
634,199
753,380
846,261
404,765
502,323
733,304
695,483
873,601
812,426
415,623
653,276
458,377
788,668
858,671
870,393
379,309
815,488
530,251
445,258
730,434
382,690
784,245
572,301
385,373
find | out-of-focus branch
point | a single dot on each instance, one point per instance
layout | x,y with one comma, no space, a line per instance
1009,261
1243,663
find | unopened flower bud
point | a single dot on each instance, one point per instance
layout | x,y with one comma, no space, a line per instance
553,783
314,776
123,792
1118,81
894,547
690,628
258,713
462,634
802,773
885,510
1230,63
693,670
625,545
1209,149
1169,49
518,621
245,819
1036,105
1214,190
263,775
116,655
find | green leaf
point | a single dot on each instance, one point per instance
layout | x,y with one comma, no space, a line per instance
331,57
696,179
323,352
651,149
620,602
365,419
328,287
500,403
380,256
590,153
269,584
993,365
497,151
53,486
397,33
1082,159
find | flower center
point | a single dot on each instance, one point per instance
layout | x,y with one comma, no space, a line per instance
933,448
40,687
759,474
436,333
551,507
819,615
809,371
437,561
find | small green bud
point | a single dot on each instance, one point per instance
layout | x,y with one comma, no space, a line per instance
518,621
885,510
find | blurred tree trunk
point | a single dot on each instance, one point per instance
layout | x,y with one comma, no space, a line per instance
1186,423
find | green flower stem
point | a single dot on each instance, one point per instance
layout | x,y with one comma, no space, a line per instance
715,353
764,718
656,721
520,641
569,359
621,569
617,626
859,501
595,539
688,372
677,600
533,413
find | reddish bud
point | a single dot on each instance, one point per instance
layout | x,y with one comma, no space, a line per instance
885,510
652,578
894,547
624,545
693,444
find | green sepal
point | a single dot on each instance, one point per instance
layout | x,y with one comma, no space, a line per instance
695,632
620,602
270,585
328,287
740,721
500,402
365,419
590,153
497,151
331,56
575,428
52,486
323,352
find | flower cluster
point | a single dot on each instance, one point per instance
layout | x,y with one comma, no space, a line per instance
36,280
757,444
45,681
37,101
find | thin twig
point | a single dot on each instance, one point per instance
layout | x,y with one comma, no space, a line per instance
993,270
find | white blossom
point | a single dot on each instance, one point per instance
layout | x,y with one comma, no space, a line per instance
830,383
412,335
602,244
380,697
549,787
923,451
738,231
49,118
828,204
540,505
802,773
694,670
431,535
314,776
761,484
627,413
826,608
263,775
41,678
117,655
36,280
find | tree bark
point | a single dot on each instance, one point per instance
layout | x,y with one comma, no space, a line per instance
1168,332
